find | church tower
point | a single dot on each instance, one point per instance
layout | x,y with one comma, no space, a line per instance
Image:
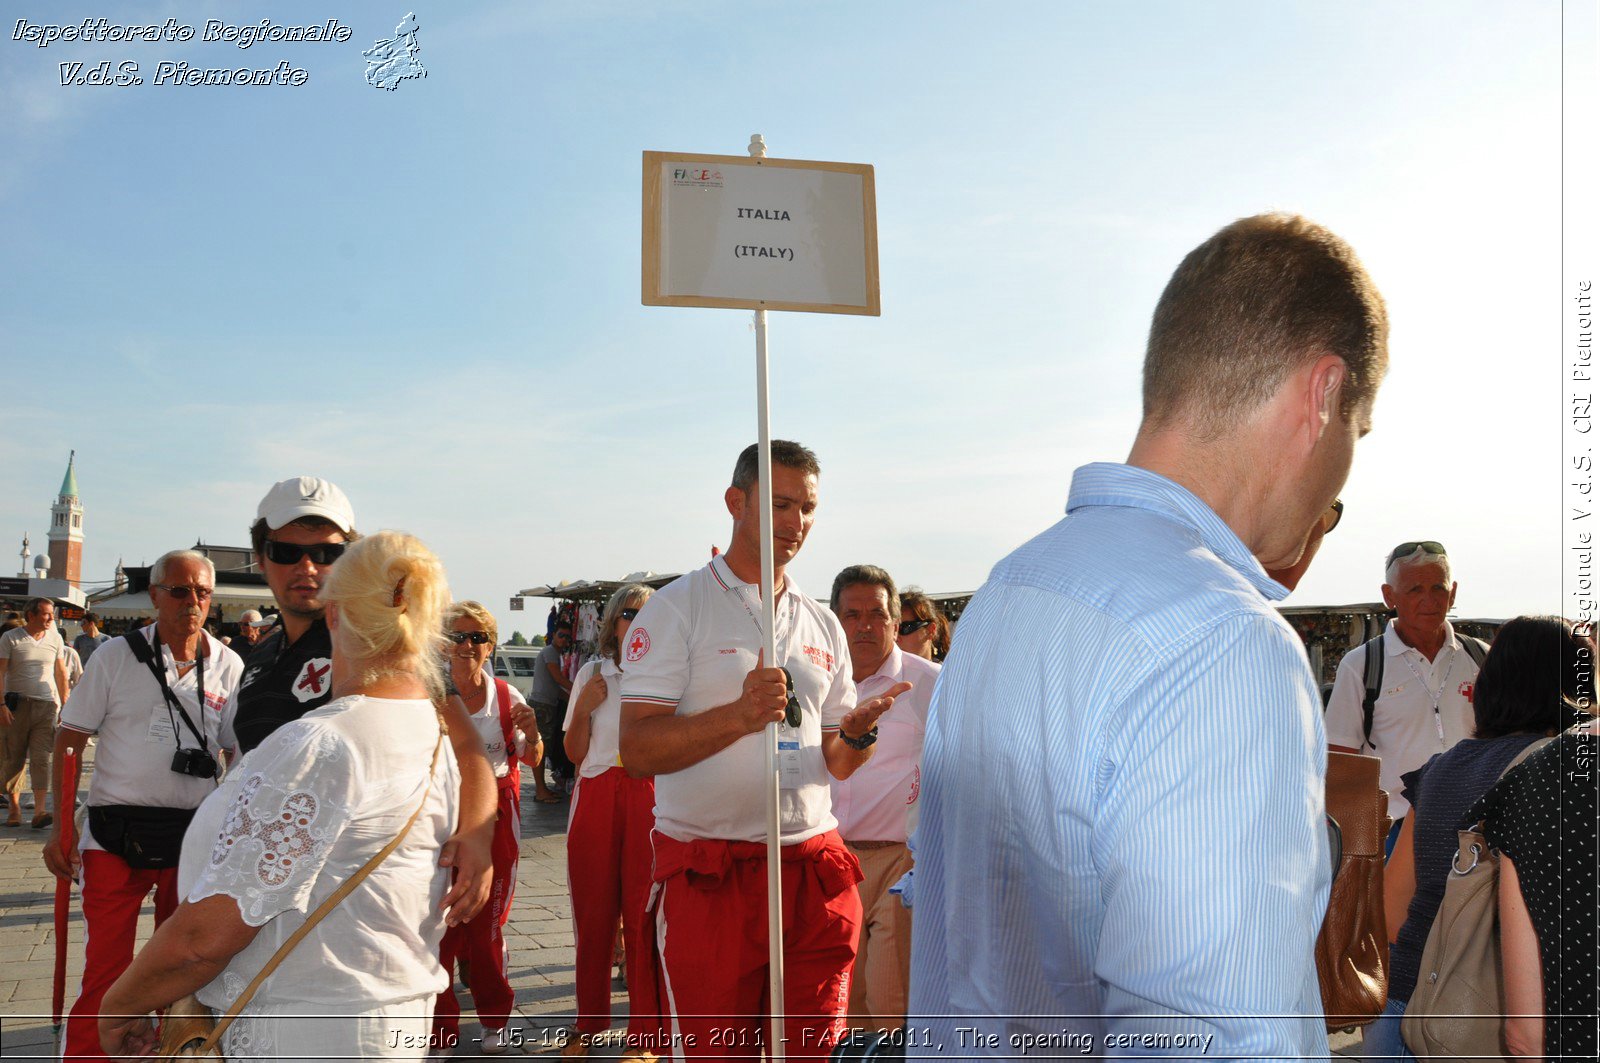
66,529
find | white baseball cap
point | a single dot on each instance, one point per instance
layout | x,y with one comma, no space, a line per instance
306,496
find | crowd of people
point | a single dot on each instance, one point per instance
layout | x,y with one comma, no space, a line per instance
1094,817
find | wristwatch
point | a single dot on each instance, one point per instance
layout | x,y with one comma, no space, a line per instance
863,741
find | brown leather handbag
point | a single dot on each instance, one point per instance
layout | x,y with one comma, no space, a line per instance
1353,946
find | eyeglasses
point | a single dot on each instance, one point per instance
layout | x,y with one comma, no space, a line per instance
911,627
291,553
185,593
1427,546
477,638
1336,507
629,614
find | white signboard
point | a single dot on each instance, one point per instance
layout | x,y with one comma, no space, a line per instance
759,234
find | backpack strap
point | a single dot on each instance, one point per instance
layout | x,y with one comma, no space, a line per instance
1373,681
1475,648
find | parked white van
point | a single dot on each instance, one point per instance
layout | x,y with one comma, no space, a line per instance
516,664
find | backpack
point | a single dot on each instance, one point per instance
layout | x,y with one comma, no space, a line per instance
1458,1006
1372,678
1352,950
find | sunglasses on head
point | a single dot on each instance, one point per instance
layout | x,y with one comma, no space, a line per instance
291,553
185,593
1427,546
911,627
477,638
629,614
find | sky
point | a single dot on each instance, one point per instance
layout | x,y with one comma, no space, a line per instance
431,295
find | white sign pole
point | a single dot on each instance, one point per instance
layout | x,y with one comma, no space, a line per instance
775,1047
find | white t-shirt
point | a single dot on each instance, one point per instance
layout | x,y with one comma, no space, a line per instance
298,816
119,700
1405,733
690,648
603,722
487,722
872,805
31,663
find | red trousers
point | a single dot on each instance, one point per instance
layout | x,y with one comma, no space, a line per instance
479,945
608,875
711,932
113,893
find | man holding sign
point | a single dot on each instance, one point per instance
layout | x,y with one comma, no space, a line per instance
697,698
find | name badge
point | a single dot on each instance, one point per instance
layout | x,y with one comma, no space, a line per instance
788,758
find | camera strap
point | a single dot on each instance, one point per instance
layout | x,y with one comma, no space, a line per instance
151,657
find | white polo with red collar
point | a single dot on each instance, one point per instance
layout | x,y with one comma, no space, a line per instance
690,648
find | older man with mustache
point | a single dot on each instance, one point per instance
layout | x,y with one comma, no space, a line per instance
154,698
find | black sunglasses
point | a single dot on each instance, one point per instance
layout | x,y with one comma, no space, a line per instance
185,593
629,614
911,627
477,638
791,708
291,553
1336,507
1427,546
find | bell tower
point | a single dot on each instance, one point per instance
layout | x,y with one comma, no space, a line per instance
66,529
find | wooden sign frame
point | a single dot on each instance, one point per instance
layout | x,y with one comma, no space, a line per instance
650,280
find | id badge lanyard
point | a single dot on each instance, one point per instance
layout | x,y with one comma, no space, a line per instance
788,737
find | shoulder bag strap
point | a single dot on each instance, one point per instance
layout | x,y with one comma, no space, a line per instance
323,909
1373,680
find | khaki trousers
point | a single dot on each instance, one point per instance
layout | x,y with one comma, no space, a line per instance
28,741
883,951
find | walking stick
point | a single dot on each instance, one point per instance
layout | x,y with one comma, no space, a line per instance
66,807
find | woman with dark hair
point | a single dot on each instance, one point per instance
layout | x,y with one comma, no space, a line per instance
1542,818
1522,693
924,631
608,845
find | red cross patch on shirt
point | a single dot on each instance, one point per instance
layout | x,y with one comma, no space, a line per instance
638,643
312,682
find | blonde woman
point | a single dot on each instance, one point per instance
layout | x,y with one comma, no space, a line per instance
608,844
299,815
478,946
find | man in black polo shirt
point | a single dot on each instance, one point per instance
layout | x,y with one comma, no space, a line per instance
301,529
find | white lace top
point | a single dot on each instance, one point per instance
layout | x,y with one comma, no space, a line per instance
300,814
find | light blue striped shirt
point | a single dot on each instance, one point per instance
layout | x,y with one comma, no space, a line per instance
1121,839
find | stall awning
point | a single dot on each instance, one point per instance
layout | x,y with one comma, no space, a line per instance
597,589
231,599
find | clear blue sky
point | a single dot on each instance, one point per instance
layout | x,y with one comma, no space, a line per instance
431,295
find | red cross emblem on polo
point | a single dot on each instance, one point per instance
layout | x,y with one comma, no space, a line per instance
638,644
312,680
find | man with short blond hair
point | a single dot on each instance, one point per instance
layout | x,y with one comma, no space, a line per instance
1100,857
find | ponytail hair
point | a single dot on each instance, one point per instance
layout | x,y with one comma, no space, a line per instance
392,594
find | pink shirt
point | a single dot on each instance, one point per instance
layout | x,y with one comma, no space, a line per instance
872,805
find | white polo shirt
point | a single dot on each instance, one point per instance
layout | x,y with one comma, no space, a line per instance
872,805
119,700
1405,733
690,648
604,753
487,722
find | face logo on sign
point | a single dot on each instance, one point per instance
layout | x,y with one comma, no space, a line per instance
638,643
312,682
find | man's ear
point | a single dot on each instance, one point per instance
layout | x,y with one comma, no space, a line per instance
1324,388
734,499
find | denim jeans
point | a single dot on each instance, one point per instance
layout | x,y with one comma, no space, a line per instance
1381,1040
